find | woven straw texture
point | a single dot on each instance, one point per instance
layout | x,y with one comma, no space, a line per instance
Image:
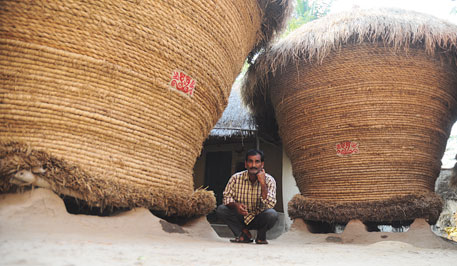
399,108
396,102
86,83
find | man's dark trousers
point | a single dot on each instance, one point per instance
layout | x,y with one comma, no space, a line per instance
263,222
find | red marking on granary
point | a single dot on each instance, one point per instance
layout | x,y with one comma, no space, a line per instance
346,148
183,82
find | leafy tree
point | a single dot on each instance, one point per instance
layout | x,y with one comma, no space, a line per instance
306,11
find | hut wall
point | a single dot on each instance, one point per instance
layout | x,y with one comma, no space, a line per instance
289,186
273,165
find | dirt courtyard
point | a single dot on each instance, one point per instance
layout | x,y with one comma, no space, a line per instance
35,229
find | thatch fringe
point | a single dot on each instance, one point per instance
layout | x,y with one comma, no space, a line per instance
274,19
99,192
392,28
425,205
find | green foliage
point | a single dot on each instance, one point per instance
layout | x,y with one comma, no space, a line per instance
306,11
454,9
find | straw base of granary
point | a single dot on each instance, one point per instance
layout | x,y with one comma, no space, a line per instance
425,205
71,180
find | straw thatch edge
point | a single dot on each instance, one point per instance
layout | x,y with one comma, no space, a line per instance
103,193
311,43
275,14
399,208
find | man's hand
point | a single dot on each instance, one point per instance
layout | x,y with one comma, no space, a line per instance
241,209
263,183
261,177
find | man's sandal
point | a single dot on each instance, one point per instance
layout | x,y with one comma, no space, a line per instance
261,242
243,238
246,233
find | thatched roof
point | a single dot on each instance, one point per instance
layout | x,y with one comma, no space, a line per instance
315,40
275,16
236,121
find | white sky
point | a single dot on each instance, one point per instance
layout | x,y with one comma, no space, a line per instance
438,8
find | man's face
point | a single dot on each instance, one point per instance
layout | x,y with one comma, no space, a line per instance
253,164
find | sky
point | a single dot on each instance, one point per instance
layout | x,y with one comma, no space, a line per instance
438,8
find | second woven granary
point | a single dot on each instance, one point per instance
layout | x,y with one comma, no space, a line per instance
364,102
110,101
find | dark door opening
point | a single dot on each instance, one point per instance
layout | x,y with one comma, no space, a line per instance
218,170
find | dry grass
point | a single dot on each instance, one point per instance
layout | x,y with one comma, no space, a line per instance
274,20
425,205
396,29
100,192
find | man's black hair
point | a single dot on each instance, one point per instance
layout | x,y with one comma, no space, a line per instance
254,152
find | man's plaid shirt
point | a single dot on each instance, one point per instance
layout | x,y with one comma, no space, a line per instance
240,189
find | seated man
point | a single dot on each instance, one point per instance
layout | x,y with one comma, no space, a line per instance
249,198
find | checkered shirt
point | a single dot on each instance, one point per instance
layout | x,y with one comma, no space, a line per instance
240,189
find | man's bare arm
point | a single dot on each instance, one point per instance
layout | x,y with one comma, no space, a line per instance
263,184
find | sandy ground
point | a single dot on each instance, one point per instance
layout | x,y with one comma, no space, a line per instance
35,229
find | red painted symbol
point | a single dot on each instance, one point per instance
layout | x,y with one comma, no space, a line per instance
182,82
346,148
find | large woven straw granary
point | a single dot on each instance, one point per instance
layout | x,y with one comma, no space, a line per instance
364,102
110,101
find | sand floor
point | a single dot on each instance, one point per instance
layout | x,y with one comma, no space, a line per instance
35,229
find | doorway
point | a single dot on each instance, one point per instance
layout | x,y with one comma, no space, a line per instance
218,170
